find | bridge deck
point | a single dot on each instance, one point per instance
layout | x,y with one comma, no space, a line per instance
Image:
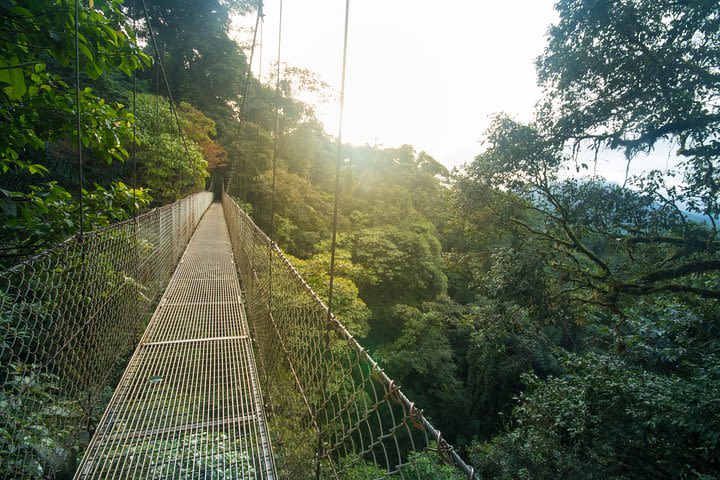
189,404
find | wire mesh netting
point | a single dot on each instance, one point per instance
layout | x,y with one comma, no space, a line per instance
189,404
333,412
69,318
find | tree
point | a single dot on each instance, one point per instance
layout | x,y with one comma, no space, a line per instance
422,359
201,130
398,266
170,166
38,105
626,75
621,75
347,305
604,418
38,108
603,265
204,65
302,213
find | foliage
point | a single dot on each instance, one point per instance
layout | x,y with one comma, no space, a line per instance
420,466
201,130
628,74
302,213
48,214
617,281
399,266
347,305
38,104
506,343
355,468
289,428
214,455
609,241
203,64
38,112
423,360
171,166
427,466
33,440
605,419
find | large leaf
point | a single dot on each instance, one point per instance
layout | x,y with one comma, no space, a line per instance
13,77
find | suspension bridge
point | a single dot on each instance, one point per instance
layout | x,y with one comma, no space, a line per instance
238,373
241,371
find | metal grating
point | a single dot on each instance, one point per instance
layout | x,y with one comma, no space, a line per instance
189,404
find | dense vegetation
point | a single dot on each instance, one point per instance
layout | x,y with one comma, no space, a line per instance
552,324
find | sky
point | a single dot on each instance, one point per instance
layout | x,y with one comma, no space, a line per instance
428,74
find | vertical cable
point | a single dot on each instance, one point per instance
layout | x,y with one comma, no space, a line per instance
248,75
257,129
157,96
333,242
134,131
83,306
277,127
271,244
77,113
338,162
274,166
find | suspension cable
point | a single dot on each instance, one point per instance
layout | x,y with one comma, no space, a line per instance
134,130
157,108
277,126
257,125
271,245
77,113
333,243
338,163
238,170
248,73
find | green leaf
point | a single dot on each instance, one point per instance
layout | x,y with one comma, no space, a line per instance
93,70
4,72
86,51
14,77
36,168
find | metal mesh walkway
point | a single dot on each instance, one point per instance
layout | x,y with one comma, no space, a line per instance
189,404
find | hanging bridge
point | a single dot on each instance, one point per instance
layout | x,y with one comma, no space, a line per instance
183,344
237,374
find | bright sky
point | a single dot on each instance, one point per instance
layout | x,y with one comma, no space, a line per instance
426,73
421,72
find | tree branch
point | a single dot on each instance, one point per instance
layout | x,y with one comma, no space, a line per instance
20,65
673,287
701,266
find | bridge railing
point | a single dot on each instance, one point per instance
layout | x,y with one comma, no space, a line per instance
68,319
333,412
